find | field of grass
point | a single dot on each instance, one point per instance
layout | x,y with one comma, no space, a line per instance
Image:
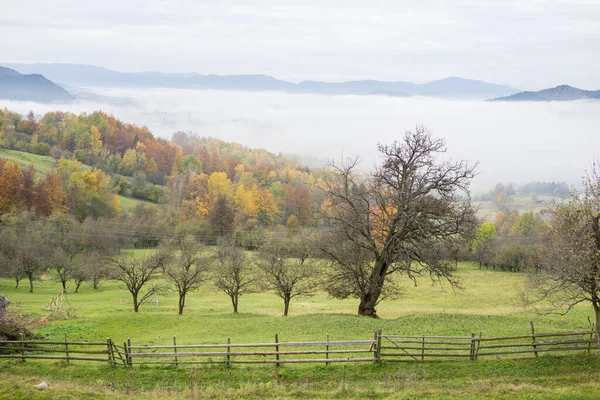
489,303
44,164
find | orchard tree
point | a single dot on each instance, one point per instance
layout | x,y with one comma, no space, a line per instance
288,268
186,267
135,273
570,270
232,274
399,219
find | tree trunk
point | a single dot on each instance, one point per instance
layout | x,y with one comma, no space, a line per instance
17,280
77,284
96,283
64,284
286,306
30,283
597,326
234,301
369,299
181,303
136,306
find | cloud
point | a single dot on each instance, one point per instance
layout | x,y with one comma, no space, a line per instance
516,142
530,44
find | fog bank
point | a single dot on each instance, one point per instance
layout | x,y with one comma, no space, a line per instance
516,142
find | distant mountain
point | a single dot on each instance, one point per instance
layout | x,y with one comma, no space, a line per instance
558,93
34,87
90,76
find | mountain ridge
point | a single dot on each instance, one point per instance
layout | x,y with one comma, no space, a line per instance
89,75
557,93
30,87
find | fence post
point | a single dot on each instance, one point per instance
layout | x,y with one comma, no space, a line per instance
175,349
423,348
533,338
477,348
472,347
67,347
109,351
228,350
377,339
22,348
276,350
591,338
327,350
129,360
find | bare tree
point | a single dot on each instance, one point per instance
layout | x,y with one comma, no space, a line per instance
137,272
569,273
398,219
232,274
287,268
187,266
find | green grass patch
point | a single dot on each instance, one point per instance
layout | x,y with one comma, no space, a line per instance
489,303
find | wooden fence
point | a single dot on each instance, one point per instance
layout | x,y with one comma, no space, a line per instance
386,348
255,353
60,350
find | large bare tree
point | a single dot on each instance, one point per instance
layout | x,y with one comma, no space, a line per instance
397,220
569,273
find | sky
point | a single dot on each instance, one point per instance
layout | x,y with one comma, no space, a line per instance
528,44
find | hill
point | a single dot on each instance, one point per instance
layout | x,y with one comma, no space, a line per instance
558,93
33,87
88,75
45,164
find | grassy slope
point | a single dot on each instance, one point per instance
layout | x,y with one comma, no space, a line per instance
489,303
45,164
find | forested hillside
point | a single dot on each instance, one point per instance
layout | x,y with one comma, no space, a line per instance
92,163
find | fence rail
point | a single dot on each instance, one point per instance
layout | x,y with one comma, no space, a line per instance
387,348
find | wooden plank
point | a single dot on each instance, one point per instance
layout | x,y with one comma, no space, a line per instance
424,348
538,350
281,344
435,343
426,337
53,342
284,361
71,351
547,343
537,335
244,353
51,357
426,354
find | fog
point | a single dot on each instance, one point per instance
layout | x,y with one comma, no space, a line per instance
513,142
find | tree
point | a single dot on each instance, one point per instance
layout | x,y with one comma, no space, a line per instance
402,216
232,274
135,273
287,269
187,266
570,270
222,216
482,244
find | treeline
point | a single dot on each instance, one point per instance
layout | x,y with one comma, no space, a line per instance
501,193
198,186
512,242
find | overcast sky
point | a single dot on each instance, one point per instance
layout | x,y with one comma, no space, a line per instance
529,44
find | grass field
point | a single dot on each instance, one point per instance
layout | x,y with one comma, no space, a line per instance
489,304
519,203
44,164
